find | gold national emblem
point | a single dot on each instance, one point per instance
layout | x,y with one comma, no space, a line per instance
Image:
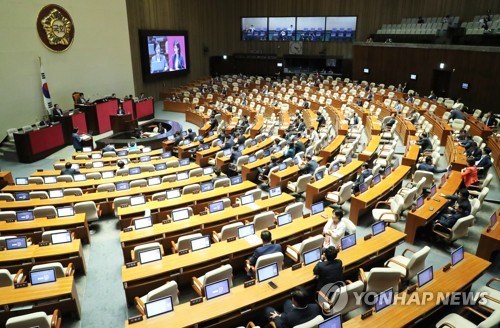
55,27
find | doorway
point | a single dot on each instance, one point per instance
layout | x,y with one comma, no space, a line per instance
441,82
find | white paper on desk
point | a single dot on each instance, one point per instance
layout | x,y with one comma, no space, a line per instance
253,240
337,175
254,206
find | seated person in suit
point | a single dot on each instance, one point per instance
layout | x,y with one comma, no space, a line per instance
424,142
457,114
218,174
191,135
77,140
228,144
266,248
108,147
490,120
484,163
461,199
161,128
354,120
310,166
320,119
121,164
299,145
389,122
334,229
133,146
235,154
474,151
290,151
68,170
363,173
264,172
448,220
120,110
398,106
329,270
467,142
462,135
177,139
427,166
56,112
469,173
413,116
296,311
82,100
240,138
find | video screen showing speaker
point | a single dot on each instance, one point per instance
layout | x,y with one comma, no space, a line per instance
254,28
164,54
281,28
310,29
341,28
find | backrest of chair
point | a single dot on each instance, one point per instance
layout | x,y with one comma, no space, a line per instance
311,323
257,193
36,180
73,192
184,242
198,172
169,289
483,193
145,247
461,227
242,160
138,183
492,321
409,197
7,196
58,267
93,176
36,319
263,220
230,230
295,209
39,194
173,163
119,201
420,186
417,262
380,279
109,154
44,211
191,189
7,215
302,182
89,208
270,258
487,180
310,243
147,168
122,172
64,178
106,187
224,182
345,191
355,288
46,235
224,272
6,278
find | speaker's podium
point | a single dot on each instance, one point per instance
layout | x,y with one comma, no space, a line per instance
122,123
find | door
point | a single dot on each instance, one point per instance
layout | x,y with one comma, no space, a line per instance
441,82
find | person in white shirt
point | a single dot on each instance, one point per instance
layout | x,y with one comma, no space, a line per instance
313,136
334,230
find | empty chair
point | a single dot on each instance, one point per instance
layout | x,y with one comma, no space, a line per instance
457,124
145,247
221,273
8,279
169,178
93,176
92,212
380,279
46,235
191,189
120,201
173,163
296,251
457,320
35,319
419,186
342,195
35,180
460,229
480,195
44,211
384,162
491,295
409,267
169,289
61,271
224,182
409,197
109,154
198,172
228,231
301,184
184,242
242,160
39,195
73,192
345,292
106,187
64,178
7,197
263,220
391,214
295,210
139,183
147,168
122,172
7,215
257,193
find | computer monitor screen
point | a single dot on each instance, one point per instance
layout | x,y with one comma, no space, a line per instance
134,170
205,146
312,256
335,168
413,76
236,180
420,201
142,223
146,149
179,215
317,208
16,243
137,200
425,276
457,256
465,85
79,177
253,28
207,186
184,133
87,149
166,154
333,322
363,187
348,160
443,179
433,191
208,170
150,255
267,272
124,185
227,152
159,306
160,166
60,238
216,207
395,164
21,181
22,195
200,243
366,70
182,176
246,230
186,142
49,180
96,156
376,179
282,166
384,299
38,277
56,193
387,171
284,219
97,164
348,241
123,152
174,193
145,158
253,143
154,181
252,159
246,199
184,162
170,137
267,152
108,174
217,289
273,192
65,211
24,216
493,219
378,228
318,176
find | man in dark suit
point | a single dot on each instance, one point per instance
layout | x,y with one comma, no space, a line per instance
467,142
363,174
77,140
191,135
296,311
240,138
329,270
299,146
389,122
266,248
424,142
68,170
228,144
265,171
473,151
457,113
178,139
235,154
484,163
310,166
489,120
56,112
449,220
461,199
427,166
120,110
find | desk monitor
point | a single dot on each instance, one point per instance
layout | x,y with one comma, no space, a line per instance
267,152
146,158
420,201
384,299
205,146
22,195
282,166
184,162
146,149
137,200
335,168
166,154
22,216
363,187
56,193
49,180
211,133
65,211
97,164
179,215
267,272
443,179
124,185
252,158
433,190
174,193
16,243
79,177
317,208
247,199
38,277
160,166
396,164
207,186
236,180
122,152
457,256
296,160
159,306
208,170
216,206
171,137
284,219
241,147
186,142
376,179
348,241
184,133
273,192
60,238
277,148
378,228
182,176
21,181
318,176
142,223
425,276
333,322
348,160
87,149
75,167
449,169
493,220
134,170
312,256
200,243
154,181
227,152
246,230
217,289
96,156
108,174
387,171
253,143
150,255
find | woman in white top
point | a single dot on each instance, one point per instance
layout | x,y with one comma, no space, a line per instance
334,229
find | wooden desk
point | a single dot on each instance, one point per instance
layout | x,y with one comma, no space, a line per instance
196,118
362,203
477,128
202,156
185,151
34,229
458,278
424,214
232,307
405,129
373,126
329,152
489,242
42,296
371,149
255,129
455,154
5,179
177,106
14,260
410,157
130,157
223,161
439,128
494,145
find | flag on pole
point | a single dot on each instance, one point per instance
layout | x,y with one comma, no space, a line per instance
45,89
